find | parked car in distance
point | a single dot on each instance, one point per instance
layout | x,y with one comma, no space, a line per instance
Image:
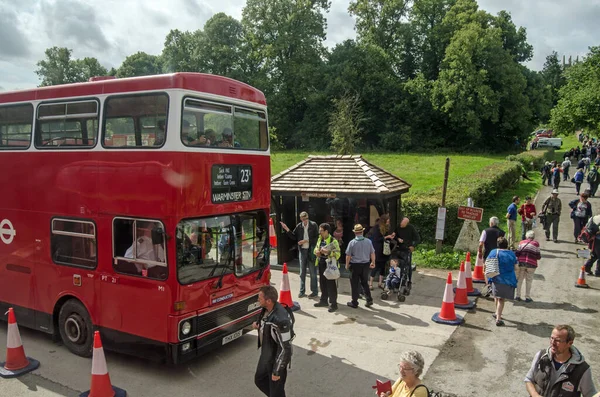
544,133
555,143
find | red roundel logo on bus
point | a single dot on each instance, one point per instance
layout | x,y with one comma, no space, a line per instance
7,231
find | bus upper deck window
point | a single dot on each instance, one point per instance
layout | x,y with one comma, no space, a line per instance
138,120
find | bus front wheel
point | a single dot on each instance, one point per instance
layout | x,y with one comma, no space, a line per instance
76,330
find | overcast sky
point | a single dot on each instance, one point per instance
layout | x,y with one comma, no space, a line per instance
112,29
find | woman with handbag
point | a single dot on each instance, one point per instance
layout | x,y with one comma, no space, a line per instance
327,250
381,244
500,272
581,213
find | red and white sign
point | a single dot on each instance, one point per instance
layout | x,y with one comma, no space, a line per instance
470,213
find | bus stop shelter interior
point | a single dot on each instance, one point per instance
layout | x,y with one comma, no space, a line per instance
329,188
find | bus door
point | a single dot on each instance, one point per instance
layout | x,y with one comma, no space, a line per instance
19,247
135,294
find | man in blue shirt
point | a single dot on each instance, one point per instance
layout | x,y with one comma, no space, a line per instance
360,259
511,215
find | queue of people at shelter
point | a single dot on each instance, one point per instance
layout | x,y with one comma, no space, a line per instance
367,256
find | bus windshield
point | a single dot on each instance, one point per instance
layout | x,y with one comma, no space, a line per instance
213,246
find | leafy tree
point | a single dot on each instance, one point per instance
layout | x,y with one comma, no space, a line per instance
553,75
430,35
481,87
285,46
344,124
539,94
140,64
513,40
222,49
89,67
179,51
59,68
579,99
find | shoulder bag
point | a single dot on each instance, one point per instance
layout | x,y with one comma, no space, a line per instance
492,266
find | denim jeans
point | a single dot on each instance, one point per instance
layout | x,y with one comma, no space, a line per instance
304,264
525,227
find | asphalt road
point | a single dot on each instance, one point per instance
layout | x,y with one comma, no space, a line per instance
481,359
341,354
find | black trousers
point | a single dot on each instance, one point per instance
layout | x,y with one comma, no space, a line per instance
360,276
328,287
270,388
595,257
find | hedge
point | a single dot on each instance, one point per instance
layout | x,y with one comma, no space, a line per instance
482,187
533,158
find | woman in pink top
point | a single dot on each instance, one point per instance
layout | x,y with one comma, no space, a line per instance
528,255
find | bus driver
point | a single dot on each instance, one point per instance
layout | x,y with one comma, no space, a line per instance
144,248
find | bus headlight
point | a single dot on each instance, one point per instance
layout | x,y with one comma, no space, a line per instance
186,327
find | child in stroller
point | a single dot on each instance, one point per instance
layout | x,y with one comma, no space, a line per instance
398,279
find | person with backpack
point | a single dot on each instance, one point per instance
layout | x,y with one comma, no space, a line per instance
593,179
275,334
581,213
560,370
411,367
551,210
578,180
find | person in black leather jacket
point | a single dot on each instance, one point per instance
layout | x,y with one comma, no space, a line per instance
274,341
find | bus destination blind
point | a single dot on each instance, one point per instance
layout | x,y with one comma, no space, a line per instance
231,183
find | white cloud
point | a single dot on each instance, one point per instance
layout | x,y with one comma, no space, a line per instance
112,29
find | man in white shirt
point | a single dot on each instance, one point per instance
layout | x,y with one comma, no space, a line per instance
144,248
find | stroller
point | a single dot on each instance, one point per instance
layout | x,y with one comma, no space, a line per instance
398,280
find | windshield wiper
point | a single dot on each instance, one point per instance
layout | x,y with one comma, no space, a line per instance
219,282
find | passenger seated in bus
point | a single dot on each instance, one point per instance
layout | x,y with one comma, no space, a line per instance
145,249
228,139
160,133
186,130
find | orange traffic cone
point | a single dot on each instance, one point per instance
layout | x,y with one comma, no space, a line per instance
460,298
581,280
16,362
101,386
478,275
447,315
285,295
469,278
272,235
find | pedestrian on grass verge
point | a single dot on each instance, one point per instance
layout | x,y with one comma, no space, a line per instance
489,238
528,213
274,341
409,383
528,256
360,257
578,180
581,213
504,284
380,237
305,233
511,216
551,209
323,253
560,370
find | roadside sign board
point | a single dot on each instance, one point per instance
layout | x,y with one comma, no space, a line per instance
470,213
441,224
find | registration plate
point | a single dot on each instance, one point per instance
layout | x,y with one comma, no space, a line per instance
232,337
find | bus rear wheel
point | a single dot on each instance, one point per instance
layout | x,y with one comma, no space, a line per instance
76,329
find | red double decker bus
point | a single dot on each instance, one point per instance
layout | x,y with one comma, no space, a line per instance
138,207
